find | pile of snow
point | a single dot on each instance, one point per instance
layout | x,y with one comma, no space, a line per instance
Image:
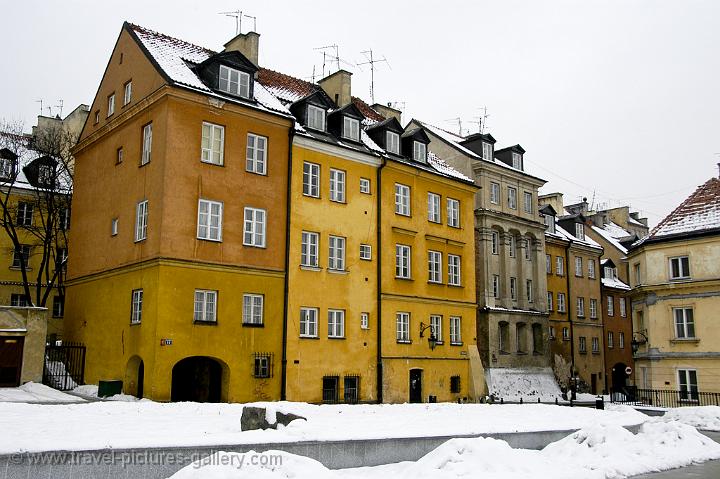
701,417
35,393
115,424
511,384
58,376
91,391
594,452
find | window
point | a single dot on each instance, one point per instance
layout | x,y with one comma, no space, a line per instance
205,306
455,330
308,322
336,253
495,193
610,272
311,179
97,117
580,231
687,381
365,186
147,144
262,365
212,145
309,249
141,220
330,389
550,223
337,186
114,226
610,340
454,273
495,238
210,216
679,267
591,268
119,157
623,308
7,168
455,384
254,227
487,149
436,327
45,175
529,290
610,306
578,266
336,323
512,198
419,151
402,261
517,161
61,256
684,323
234,82
127,97
528,246
136,306
520,339
24,214
453,212
513,246
316,118
252,309
364,320
548,264
551,332
19,300
593,308
513,289
402,199
496,286
402,323
583,344
434,266
527,202
434,207
111,104
503,336
580,307
559,265
595,345
256,159
351,128
561,303
365,252
636,267
621,340
566,334
351,388
549,300
392,141
58,307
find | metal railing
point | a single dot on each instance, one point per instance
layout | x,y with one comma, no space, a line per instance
64,366
664,397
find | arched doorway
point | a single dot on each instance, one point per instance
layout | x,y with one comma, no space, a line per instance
197,379
619,377
134,377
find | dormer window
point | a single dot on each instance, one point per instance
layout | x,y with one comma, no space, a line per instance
487,151
315,118
517,161
7,168
234,82
580,231
419,151
392,142
610,272
45,175
351,128
550,223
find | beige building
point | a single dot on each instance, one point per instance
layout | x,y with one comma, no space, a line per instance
676,297
22,344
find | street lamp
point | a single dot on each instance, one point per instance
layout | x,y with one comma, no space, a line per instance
432,340
635,343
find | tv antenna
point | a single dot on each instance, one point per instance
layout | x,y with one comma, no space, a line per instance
60,106
481,120
459,123
237,15
41,105
330,58
372,61
398,105
254,19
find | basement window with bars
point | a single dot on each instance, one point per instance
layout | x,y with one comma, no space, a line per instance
263,365
351,388
330,389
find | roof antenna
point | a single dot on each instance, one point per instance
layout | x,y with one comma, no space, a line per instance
60,105
459,122
237,15
254,19
372,61
41,104
333,58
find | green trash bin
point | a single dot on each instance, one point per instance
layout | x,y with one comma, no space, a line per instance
109,387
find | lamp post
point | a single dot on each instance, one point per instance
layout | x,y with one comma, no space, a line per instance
432,340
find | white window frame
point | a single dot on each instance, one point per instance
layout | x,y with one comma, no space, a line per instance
455,330
25,213
402,199
402,327
621,340
527,201
111,104
436,327
127,93
419,151
337,185
487,149
550,223
114,226
309,246
610,340
495,242
141,220
559,266
684,322
580,306
207,300
434,208
580,231
434,266
454,270
561,303
403,255
593,308
687,386
566,334
392,142
513,289
578,266
256,154
311,179
550,300
316,117
528,245
494,193
548,264
453,212
496,286
582,344
238,86
365,186
255,221
517,161
253,308
212,147
336,323
595,341
206,230
309,322
610,305
147,144
336,253
512,198
351,128
364,320
365,252
513,246
136,306
623,308
683,269
591,268
529,290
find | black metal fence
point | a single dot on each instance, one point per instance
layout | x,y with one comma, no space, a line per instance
64,365
664,397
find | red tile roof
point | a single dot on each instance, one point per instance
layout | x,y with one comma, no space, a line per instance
367,110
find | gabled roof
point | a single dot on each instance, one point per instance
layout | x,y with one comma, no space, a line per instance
351,110
547,209
232,57
417,134
482,136
607,236
517,148
391,123
699,214
316,97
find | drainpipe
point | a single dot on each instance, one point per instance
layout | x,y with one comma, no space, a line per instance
572,333
378,229
288,202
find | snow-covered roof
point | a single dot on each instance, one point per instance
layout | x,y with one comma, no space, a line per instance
444,168
614,283
586,242
176,57
616,231
609,238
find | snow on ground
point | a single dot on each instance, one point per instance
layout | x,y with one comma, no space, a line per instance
109,424
511,384
35,393
91,391
701,417
598,451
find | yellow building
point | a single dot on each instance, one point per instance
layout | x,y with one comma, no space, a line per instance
676,296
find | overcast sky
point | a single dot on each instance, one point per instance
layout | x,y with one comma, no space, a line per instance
616,100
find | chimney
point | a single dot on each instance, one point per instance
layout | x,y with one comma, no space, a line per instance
246,43
337,86
387,111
